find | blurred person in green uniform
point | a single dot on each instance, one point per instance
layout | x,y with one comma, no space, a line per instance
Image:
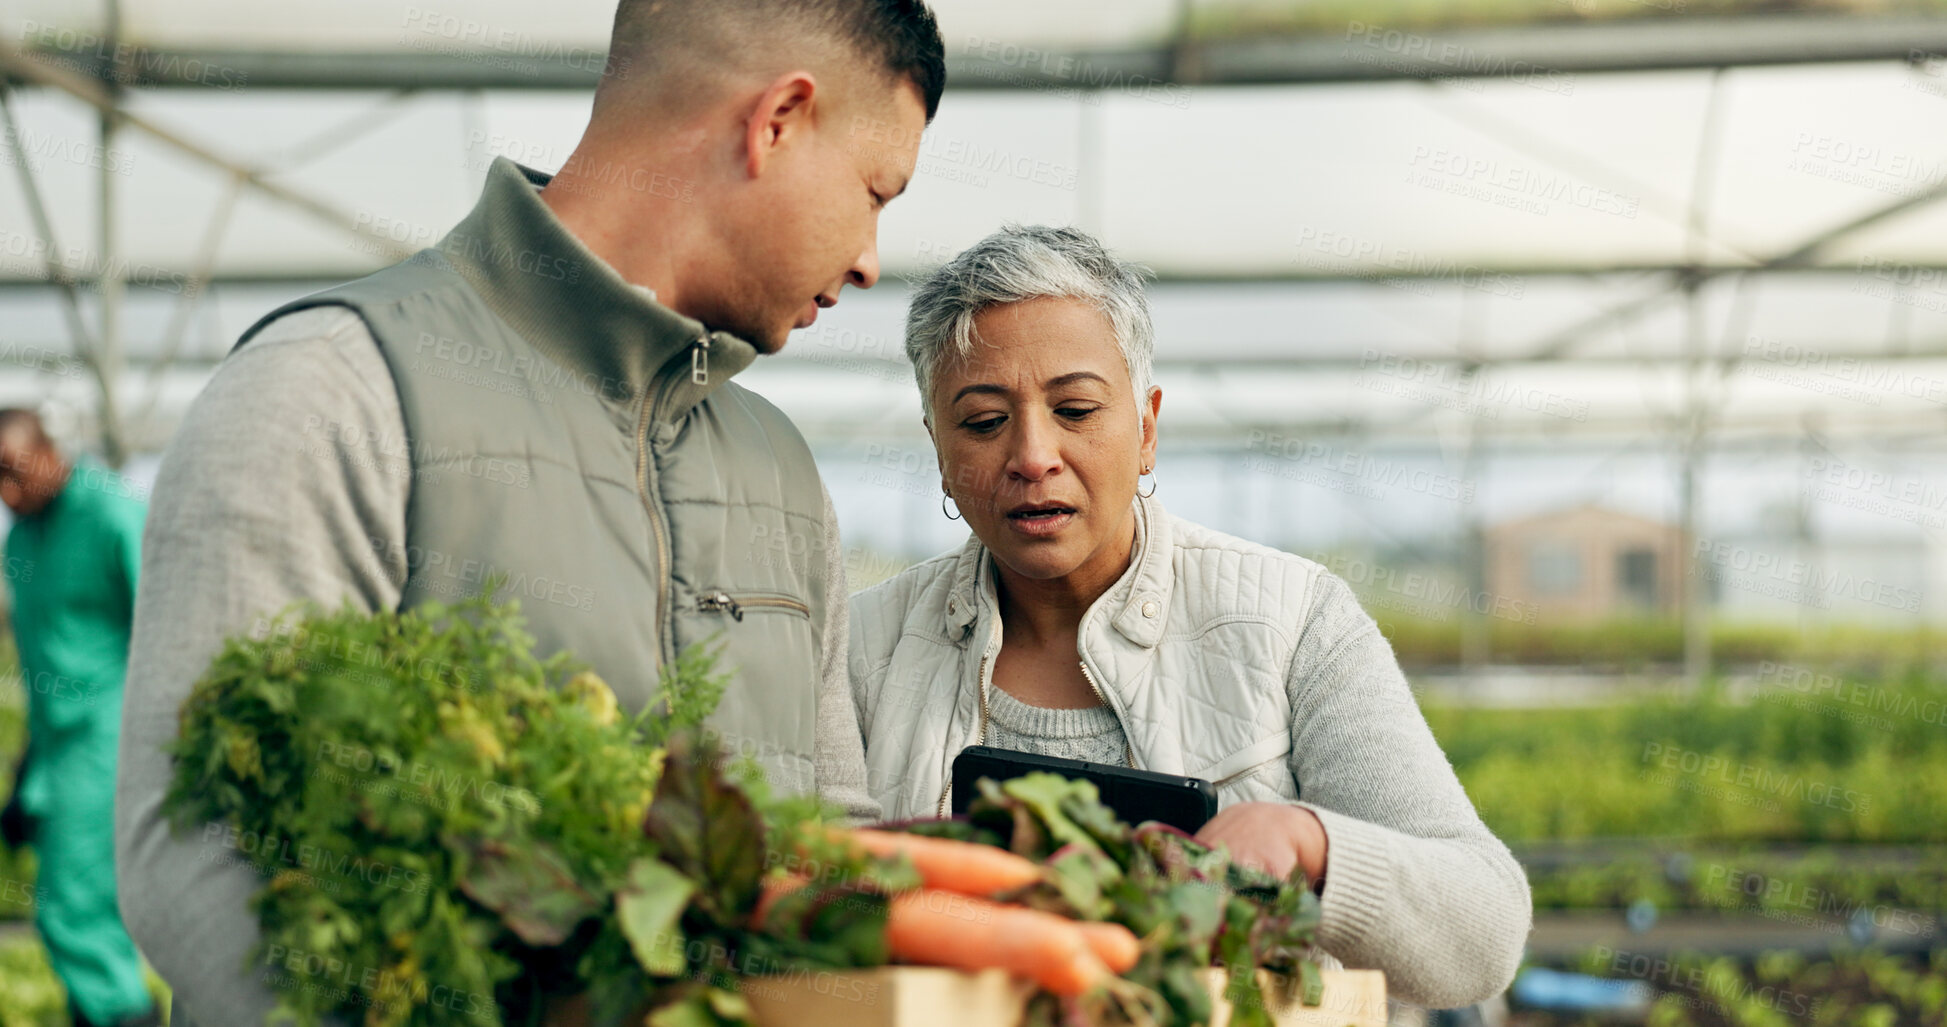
71,562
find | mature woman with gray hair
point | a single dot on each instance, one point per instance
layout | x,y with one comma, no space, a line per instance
1080,620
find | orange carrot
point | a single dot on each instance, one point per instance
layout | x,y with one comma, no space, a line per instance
940,928
964,867
1114,944
774,889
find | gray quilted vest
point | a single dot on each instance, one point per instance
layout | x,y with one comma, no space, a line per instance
572,435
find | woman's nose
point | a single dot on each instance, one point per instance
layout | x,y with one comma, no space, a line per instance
1036,453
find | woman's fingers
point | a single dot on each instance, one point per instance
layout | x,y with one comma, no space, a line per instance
1269,836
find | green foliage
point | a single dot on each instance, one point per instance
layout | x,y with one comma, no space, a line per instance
1637,644
441,818
15,866
30,994
1832,881
690,693
1849,988
709,831
453,831
1868,768
690,912
1190,906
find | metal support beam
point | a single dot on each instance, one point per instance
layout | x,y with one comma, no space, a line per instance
1545,55
113,286
97,94
1454,273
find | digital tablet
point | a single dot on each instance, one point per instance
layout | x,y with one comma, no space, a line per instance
1186,803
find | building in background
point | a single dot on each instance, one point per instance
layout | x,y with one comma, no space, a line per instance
1587,563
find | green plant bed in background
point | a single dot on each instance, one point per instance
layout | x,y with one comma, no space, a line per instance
1637,645
1782,768
16,868
1822,884
16,884
30,994
1850,988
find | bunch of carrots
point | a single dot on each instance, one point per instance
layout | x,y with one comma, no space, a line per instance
959,916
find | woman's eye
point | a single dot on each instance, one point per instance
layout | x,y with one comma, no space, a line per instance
984,425
1075,413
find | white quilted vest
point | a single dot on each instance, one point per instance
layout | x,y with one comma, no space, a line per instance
1192,648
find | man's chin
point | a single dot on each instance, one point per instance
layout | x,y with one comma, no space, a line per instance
764,340
769,343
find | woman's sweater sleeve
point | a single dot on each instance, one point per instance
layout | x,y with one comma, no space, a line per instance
1415,884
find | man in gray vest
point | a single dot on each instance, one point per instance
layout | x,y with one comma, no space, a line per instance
543,397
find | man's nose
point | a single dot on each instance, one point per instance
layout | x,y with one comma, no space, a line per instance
864,273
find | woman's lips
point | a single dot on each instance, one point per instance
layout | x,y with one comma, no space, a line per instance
1040,525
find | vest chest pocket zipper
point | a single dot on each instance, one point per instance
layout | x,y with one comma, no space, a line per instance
750,602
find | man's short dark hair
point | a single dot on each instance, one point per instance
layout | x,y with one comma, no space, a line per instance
906,40
660,45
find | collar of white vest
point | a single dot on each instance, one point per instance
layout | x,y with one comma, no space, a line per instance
1137,604
574,307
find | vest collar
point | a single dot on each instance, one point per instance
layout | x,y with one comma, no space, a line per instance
552,289
1137,604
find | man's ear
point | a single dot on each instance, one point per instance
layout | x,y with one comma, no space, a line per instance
783,111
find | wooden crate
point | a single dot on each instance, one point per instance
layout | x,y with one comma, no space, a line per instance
914,996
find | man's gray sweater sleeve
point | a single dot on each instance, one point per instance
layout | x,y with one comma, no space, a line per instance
1415,884
281,485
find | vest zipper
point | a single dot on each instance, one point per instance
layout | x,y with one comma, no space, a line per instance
721,601
980,735
735,607
663,595
651,404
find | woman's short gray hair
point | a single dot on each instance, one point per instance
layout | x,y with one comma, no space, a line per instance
1024,262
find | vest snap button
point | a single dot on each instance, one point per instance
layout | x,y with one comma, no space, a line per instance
1149,609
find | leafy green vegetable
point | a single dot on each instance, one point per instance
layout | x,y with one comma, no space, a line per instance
531,886
708,830
1190,906
726,838
444,821
651,908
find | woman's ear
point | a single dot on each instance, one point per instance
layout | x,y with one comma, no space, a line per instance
1152,407
938,461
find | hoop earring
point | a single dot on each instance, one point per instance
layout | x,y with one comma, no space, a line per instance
954,515
1152,482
